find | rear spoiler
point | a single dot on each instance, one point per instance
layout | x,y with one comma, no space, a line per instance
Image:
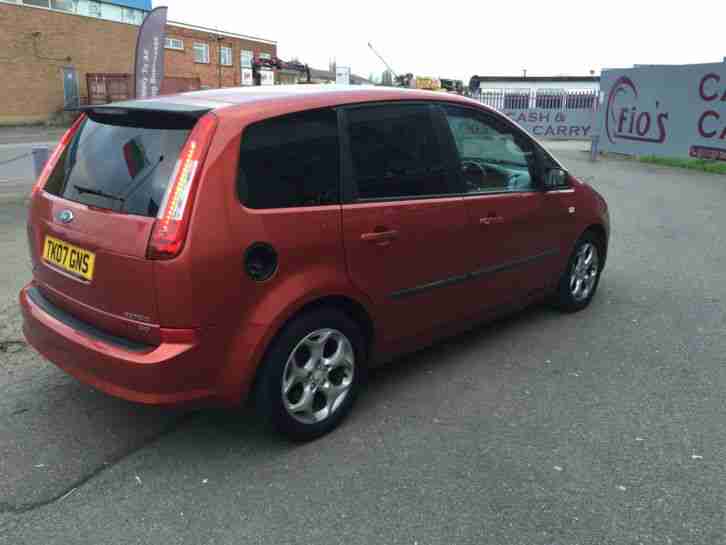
148,113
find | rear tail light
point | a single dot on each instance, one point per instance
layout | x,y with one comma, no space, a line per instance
172,222
55,156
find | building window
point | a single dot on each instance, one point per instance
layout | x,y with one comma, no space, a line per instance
245,58
132,16
225,54
63,5
112,12
174,43
92,8
88,7
201,53
39,3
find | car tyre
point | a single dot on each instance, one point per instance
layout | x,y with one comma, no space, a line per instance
579,282
311,374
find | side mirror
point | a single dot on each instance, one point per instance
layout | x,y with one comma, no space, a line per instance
555,178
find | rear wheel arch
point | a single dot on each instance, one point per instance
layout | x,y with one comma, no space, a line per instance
352,308
349,306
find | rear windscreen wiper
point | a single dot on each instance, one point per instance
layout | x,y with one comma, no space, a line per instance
81,189
140,182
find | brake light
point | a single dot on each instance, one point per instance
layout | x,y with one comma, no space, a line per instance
172,222
55,156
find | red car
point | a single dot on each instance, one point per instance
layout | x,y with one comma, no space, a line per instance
275,243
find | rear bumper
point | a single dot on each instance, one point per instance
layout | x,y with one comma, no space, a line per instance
172,373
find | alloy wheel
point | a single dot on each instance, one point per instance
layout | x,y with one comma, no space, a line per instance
318,376
583,276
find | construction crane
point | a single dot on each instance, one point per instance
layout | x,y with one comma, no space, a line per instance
408,80
377,54
404,80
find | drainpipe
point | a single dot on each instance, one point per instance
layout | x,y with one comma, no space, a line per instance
219,59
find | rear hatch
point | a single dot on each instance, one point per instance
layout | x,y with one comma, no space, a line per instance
89,227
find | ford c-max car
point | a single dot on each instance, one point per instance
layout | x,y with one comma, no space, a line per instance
273,244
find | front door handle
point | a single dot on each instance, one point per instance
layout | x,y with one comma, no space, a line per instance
382,238
490,220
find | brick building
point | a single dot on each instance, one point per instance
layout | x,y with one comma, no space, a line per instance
216,58
48,48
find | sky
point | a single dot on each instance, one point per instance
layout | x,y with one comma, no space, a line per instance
457,38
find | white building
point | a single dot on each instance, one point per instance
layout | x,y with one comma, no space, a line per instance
533,83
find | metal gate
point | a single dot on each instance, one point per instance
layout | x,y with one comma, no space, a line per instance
547,113
105,88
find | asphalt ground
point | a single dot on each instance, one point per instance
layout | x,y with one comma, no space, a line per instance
16,162
603,427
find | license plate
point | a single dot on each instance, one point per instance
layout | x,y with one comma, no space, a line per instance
68,257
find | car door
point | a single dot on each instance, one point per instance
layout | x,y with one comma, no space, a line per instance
514,242
404,221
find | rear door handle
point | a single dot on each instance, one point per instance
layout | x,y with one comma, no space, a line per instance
382,238
489,220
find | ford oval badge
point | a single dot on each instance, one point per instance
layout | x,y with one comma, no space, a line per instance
65,216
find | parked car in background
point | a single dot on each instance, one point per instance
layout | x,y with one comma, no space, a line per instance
273,244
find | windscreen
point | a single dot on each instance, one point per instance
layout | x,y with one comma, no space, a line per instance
119,165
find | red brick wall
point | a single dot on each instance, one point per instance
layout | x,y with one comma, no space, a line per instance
31,67
181,63
34,85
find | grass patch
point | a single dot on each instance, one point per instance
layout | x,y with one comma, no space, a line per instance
715,167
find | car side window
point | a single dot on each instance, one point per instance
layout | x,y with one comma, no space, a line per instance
492,156
396,152
290,161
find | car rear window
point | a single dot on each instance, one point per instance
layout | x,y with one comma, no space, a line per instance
119,164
